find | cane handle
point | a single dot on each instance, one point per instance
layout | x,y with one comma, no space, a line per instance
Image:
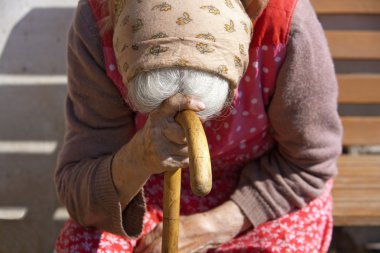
199,155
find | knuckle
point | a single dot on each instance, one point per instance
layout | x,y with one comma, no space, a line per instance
184,164
170,102
184,149
154,115
169,164
188,101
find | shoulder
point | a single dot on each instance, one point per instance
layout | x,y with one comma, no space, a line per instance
306,36
84,35
84,20
305,21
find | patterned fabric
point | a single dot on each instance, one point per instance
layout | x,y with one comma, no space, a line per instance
307,230
254,8
240,135
236,138
213,37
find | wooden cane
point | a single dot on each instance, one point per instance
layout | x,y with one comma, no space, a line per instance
200,178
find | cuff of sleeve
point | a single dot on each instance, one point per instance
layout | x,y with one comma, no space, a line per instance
252,204
133,216
127,222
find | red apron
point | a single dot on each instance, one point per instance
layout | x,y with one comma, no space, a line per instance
238,137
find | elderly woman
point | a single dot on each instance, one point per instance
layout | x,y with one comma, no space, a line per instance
259,75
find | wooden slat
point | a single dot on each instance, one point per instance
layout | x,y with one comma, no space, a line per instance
356,220
357,182
359,88
352,213
361,130
354,45
351,208
347,6
368,164
366,195
356,191
369,171
354,172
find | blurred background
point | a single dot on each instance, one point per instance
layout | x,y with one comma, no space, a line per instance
32,92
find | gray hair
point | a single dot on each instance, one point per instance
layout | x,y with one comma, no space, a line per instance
148,90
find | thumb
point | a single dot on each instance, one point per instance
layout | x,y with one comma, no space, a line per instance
179,102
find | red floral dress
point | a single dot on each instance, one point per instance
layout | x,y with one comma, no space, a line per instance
239,136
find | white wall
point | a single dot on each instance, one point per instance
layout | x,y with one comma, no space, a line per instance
11,12
32,92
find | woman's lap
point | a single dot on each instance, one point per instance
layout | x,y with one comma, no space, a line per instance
75,238
306,230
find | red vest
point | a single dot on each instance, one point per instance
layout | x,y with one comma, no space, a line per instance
242,133
271,28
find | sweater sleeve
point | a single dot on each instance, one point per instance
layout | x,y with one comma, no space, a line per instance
98,123
305,126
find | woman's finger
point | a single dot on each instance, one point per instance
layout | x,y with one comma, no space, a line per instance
169,152
178,150
176,162
154,247
174,133
200,249
149,239
171,106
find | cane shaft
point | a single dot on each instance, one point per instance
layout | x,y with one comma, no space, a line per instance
200,178
172,194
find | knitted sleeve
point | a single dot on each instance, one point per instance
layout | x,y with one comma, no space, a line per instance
98,123
305,126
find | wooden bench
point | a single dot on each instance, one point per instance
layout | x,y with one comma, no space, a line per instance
357,188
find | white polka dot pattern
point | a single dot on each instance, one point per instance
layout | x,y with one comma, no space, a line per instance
112,67
306,230
236,138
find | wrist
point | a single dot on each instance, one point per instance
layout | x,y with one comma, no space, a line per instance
228,218
127,174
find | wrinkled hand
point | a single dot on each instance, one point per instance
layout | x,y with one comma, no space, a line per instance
200,232
158,147
162,140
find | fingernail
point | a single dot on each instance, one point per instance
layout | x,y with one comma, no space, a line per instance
200,105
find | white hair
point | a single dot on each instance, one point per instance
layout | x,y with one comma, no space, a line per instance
149,89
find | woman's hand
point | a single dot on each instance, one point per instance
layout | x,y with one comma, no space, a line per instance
202,231
162,142
158,147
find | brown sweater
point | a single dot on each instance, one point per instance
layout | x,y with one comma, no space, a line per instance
303,115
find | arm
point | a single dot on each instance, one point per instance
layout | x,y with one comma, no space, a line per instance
98,123
102,168
305,126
